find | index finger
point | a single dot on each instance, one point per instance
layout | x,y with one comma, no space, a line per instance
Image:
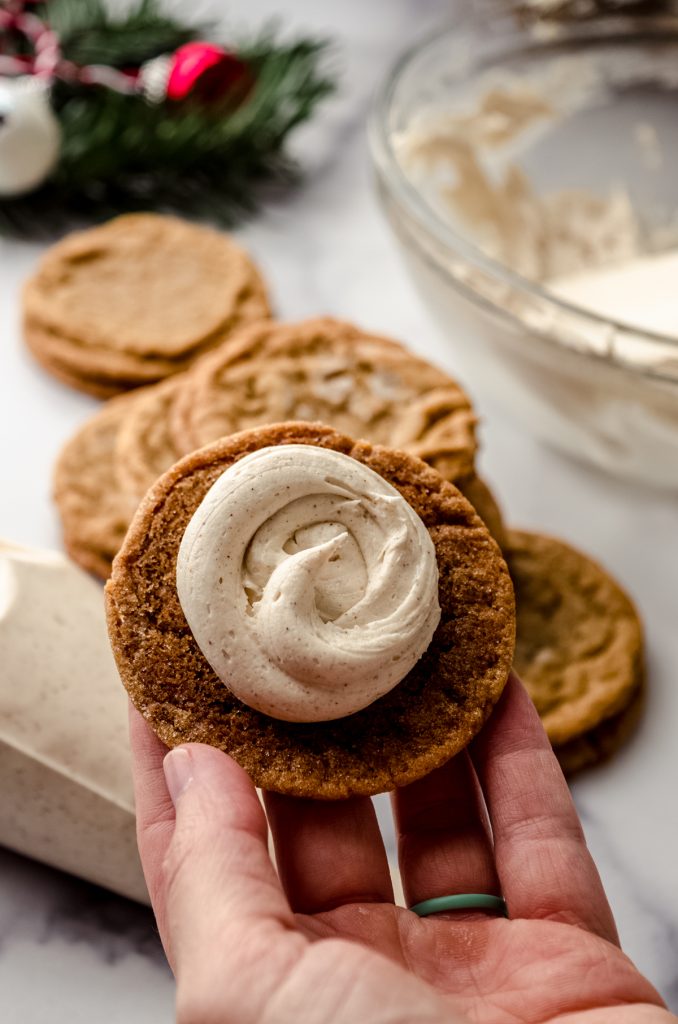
154,808
544,865
205,853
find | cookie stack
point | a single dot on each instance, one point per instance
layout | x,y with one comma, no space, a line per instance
579,641
137,300
319,370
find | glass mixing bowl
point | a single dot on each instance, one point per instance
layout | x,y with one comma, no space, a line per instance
601,122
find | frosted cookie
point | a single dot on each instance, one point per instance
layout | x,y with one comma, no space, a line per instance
355,603
94,511
329,371
139,298
579,645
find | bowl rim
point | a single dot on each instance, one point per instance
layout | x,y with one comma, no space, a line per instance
404,191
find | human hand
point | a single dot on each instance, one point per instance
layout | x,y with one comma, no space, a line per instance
326,943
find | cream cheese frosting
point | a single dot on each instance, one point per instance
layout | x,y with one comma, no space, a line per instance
309,583
639,292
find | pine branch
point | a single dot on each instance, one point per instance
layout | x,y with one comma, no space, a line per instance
121,153
90,34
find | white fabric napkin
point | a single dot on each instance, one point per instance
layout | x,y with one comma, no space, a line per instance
66,796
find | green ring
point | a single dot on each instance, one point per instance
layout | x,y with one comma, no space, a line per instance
464,901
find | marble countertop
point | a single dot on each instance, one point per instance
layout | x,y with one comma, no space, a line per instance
72,953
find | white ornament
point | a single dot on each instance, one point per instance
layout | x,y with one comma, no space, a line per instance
154,77
30,135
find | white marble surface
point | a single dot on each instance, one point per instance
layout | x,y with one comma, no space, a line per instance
70,953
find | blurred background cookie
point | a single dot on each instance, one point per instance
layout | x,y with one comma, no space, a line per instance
332,372
136,300
600,743
144,446
323,368
579,647
477,491
94,510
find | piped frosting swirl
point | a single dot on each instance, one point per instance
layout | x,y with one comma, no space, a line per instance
309,583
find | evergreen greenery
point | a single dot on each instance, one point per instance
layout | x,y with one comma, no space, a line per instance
122,153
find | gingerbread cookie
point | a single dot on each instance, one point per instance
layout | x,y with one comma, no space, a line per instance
579,644
138,298
424,719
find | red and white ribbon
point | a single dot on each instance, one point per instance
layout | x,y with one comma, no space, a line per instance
47,61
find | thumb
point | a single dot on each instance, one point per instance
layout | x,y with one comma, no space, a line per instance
218,884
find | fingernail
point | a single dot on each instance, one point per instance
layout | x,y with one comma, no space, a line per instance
178,772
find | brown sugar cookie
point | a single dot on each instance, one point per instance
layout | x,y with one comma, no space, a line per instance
117,368
599,744
160,428
94,511
97,492
333,372
429,716
484,502
95,386
144,446
138,298
579,644
148,445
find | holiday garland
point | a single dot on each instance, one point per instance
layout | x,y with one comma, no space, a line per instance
151,117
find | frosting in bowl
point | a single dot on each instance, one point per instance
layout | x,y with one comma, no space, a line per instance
309,583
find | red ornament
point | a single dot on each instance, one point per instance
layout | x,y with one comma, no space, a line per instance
204,70
200,70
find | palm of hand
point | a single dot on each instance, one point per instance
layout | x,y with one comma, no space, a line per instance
321,941
491,971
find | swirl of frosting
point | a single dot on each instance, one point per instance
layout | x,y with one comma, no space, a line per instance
309,583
